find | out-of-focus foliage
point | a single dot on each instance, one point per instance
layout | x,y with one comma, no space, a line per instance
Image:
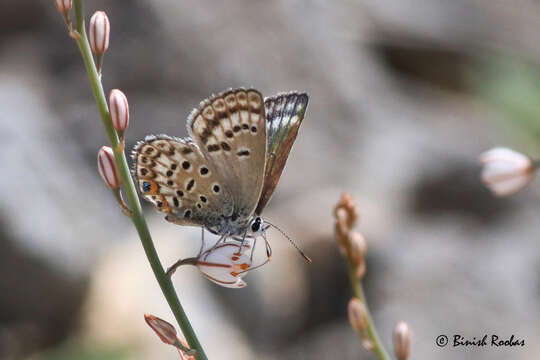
512,86
85,352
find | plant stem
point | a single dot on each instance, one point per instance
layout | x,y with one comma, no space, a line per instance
129,187
358,290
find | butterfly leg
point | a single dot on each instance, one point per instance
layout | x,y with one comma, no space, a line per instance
244,241
268,248
202,242
253,250
268,254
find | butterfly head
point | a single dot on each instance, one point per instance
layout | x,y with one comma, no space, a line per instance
256,226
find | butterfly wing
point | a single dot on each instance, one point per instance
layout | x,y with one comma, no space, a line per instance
284,114
173,175
230,129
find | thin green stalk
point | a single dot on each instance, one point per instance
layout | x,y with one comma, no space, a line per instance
358,290
137,217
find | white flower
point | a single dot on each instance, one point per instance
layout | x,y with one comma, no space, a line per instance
119,109
99,32
505,171
225,265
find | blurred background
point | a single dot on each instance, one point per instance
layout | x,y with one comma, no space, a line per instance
404,95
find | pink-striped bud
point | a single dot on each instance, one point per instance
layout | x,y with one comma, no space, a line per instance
225,265
63,5
107,168
119,109
163,329
99,32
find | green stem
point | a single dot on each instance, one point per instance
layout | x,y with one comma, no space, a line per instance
358,290
129,187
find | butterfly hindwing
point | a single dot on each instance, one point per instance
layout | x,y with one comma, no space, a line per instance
173,174
230,129
284,114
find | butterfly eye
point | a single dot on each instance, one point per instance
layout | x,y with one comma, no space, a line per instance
256,225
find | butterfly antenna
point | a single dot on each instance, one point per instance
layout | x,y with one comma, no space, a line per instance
291,241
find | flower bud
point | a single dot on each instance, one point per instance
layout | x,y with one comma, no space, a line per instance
367,343
402,340
225,265
163,329
99,32
360,270
358,247
63,5
357,314
119,109
505,171
107,168
347,203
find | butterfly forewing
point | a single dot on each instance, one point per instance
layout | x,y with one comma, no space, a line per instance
284,114
230,129
174,175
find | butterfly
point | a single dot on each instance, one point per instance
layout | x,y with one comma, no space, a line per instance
222,176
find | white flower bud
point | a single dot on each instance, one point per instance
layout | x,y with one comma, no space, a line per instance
99,32
402,340
63,5
225,265
107,168
505,171
119,109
